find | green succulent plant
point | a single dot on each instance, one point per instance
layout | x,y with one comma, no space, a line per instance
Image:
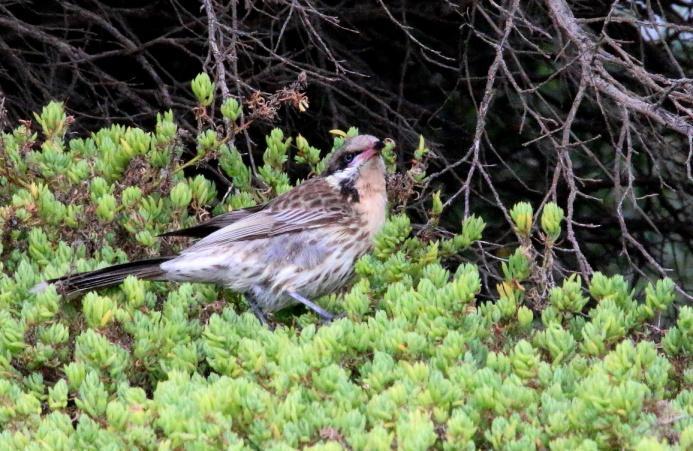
420,359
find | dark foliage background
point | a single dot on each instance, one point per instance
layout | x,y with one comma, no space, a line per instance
582,102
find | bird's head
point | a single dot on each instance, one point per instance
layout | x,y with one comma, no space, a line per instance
359,157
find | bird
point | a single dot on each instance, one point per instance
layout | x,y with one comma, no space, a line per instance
297,247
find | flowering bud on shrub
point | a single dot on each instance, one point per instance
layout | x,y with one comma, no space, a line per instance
232,163
524,317
117,415
130,196
388,154
276,152
437,207
57,395
307,154
146,238
421,150
568,297
93,397
231,109
11,334
415,431
98,311
135,142
551,218
517,267
658,297
52,120
54,334
75,372
203,191
207,141
106,207
135,291
98,188
181,195
679,339
166,129
522,214
27,404
203,88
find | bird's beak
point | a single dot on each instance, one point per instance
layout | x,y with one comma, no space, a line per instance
372,151
367,154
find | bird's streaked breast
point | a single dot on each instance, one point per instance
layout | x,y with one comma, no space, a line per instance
372,205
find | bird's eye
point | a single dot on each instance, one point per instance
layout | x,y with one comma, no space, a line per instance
347,158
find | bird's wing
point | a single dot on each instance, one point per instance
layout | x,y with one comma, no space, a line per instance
307,190
214,224
268,223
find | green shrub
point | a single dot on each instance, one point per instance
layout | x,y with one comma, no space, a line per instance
418,360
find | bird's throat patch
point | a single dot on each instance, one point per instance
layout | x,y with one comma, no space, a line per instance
348,190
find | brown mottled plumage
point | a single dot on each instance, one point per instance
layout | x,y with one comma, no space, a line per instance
298,246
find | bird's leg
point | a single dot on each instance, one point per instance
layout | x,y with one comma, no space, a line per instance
259,314
322,313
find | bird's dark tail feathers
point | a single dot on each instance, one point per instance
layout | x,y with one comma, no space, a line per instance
75,284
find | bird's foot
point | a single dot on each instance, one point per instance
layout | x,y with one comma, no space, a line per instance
326,316
259,313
